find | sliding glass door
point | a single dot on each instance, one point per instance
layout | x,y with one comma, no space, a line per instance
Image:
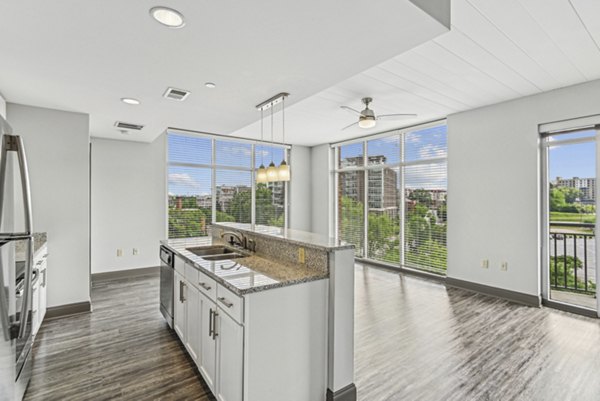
569,222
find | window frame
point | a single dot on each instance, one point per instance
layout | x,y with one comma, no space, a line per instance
366,168
214,167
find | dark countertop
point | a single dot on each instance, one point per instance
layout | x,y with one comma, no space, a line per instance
244,275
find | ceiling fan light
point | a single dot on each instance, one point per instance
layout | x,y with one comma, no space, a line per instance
367,122
283,171
272,173
261,175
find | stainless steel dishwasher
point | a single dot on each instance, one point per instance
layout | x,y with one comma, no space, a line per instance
167,274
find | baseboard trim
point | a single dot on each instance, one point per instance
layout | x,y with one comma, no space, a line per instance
347,393
579,310
120,274
402,269
68,310
513,296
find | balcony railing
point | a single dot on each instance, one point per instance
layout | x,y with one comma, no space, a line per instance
572,257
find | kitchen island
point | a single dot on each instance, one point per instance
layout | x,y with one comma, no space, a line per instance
266,313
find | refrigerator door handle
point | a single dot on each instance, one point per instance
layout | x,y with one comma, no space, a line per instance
14,143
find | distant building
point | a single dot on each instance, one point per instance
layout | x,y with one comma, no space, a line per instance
226,193
587,186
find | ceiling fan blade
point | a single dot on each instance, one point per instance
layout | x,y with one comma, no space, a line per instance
395,116
348,126
350,109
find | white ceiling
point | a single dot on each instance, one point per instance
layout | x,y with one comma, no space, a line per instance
85,56
496,51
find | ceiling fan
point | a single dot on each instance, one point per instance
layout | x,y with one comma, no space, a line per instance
367,117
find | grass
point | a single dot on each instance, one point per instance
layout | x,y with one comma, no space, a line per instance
572,217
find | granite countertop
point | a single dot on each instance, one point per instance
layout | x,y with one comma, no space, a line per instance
298,237
244,275
39,240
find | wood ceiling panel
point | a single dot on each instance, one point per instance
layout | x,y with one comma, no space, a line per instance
463,46
510,17
486,34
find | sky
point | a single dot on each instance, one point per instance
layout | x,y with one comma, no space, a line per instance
575,160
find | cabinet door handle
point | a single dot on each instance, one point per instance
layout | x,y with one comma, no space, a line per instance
210,323
215,314
205,286
181,285
44,282
225,302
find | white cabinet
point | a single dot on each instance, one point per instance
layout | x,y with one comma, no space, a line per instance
193,322
207,363
38,298
179,318
230,354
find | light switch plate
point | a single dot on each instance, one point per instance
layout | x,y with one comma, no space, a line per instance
301,255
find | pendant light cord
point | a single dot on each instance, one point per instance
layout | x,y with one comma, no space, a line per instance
283,117
262,144
272,107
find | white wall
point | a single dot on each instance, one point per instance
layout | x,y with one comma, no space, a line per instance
493,185
300,200
57,146
320,190
128,203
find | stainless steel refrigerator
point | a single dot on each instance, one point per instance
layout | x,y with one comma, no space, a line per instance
15,275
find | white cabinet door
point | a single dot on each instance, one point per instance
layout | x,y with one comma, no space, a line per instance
179,308
193,322
230,352
43,291
208,348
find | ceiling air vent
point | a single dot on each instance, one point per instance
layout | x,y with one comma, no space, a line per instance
122,125
176,94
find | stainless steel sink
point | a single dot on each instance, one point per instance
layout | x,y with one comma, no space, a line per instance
210,250
224,257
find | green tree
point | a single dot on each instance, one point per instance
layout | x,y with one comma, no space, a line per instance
383,231
421,196
351,222
185,223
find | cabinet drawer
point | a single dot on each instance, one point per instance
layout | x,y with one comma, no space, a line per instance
207,285
229,302
179,265
191,274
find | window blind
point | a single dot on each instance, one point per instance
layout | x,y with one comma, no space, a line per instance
193,195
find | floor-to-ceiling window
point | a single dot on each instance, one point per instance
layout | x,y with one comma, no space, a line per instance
212,179
391,196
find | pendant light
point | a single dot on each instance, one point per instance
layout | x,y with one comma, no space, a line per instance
261,174
272,171
283,171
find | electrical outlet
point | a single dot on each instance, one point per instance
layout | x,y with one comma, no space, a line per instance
119,252
135,251
301,255
504,266
485,263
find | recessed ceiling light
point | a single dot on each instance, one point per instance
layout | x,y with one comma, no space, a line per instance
210,85
167,16
130,100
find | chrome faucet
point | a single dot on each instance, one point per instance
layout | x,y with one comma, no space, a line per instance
241,239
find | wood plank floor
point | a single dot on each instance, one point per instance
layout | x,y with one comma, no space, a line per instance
121,351
418,340
415,340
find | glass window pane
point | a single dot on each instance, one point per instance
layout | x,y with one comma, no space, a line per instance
270,204
189,149
264,154
351,155
351,223
425,216
384,150
234,196
234,154
384,216
190,201
426,143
